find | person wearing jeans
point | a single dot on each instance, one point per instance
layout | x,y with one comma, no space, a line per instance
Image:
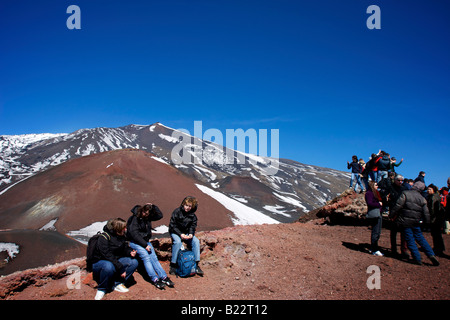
384,165
177,243
151,264
182,226
413,235
113,259
139,232
356,171
106,274
410,212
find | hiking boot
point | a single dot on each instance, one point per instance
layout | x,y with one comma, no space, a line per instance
168,282
173,269
404,256
159,284
434,261
418,262
199,271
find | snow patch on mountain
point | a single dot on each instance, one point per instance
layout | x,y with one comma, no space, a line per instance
244,215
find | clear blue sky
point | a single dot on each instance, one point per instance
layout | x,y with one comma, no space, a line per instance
311,69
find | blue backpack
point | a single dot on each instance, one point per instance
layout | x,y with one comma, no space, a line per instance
186,264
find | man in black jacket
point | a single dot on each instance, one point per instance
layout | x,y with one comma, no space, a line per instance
410,211
182,227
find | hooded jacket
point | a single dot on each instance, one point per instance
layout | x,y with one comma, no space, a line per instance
139,230
411,209
384,164
111,247
183,222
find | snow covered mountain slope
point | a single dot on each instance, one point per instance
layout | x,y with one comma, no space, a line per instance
294,189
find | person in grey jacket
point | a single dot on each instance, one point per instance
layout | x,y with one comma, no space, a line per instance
410,212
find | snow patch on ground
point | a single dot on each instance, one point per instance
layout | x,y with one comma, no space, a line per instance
11,248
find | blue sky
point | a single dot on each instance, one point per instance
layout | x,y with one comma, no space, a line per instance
311,69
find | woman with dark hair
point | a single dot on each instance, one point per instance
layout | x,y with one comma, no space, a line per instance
373,200
139,232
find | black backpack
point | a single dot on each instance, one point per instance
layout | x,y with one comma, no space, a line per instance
92,245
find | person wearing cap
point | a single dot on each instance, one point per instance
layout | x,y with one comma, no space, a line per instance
410,212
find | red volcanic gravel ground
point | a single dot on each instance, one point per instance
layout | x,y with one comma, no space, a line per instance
297,261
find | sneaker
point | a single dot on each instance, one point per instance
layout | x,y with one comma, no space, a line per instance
199,271
121,288
434,261
99,295
377,253
168,282
159,284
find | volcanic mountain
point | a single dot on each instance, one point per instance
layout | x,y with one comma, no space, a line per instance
102,186
284,194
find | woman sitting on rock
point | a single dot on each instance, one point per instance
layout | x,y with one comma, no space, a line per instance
183,224
113,260
139,232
